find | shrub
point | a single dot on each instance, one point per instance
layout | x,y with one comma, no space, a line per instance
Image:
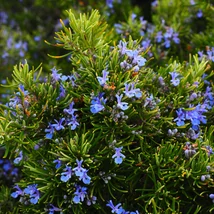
115,135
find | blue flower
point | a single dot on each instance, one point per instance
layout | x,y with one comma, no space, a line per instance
133,16
58,125
70,110
53,208
34,198
109,3
175,38
159,37
61,92
97,103
85,178
95,108
192,2
37,38
151,102
58,163
122,211
3,17
55,76
199,13
167,43
30,189
175,81
146,43
114,209
66,175
118,156
23,91
14,102
72,78
79,169
123,47
80,194
33,192
49,131
204,77
180,117
7,166
136,58
196,116
121,105
63,78
210,54
168,34
73,122
15,172
138,93
130,91
19,158
102,80
17,192
201,55
118,28
81,172
193,96
143,22
209,99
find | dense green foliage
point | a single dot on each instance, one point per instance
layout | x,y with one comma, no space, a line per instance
111,119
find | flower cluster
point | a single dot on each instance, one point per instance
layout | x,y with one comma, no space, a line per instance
208,55
21,47
195,116
8,172
109,3
97,103
29,194
118,209
20,100
162,37
133,60
167,37
69,120
79,171
130,91
79,194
